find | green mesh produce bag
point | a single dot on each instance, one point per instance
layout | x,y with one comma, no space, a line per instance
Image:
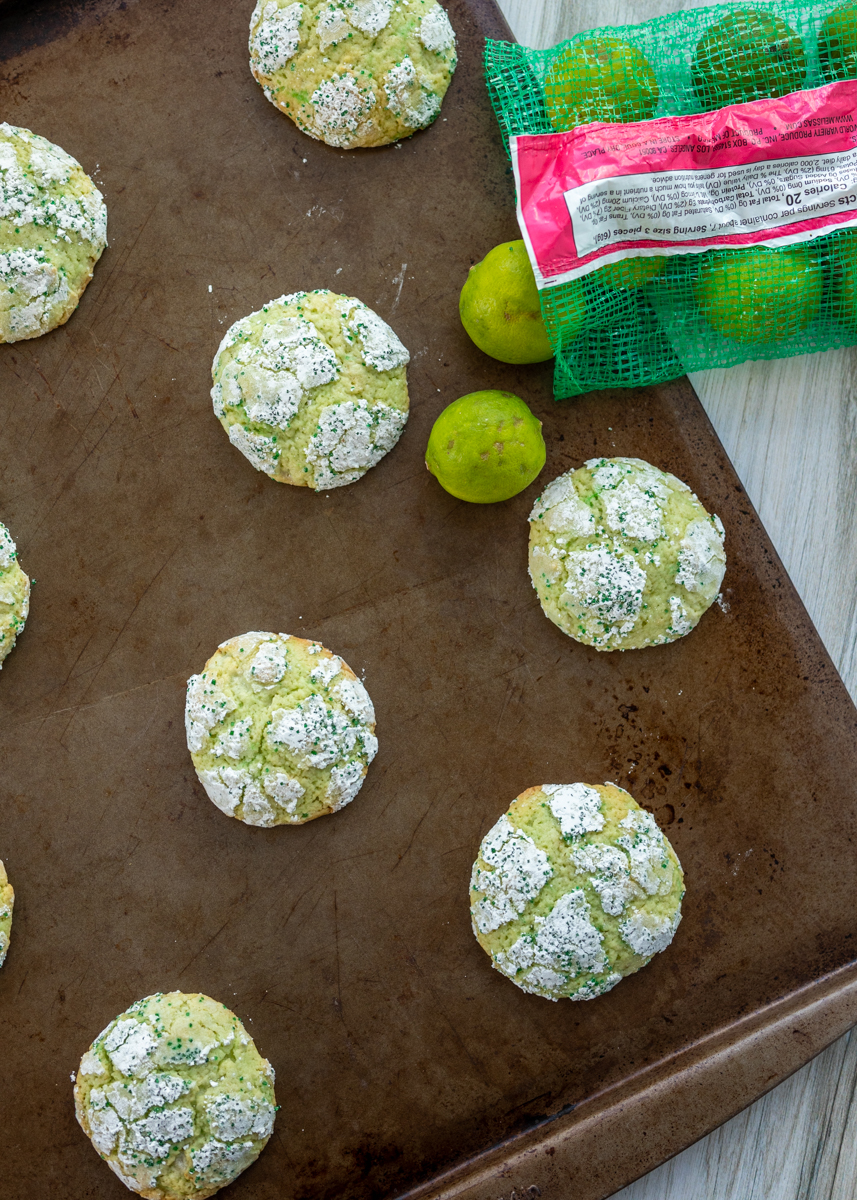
648,319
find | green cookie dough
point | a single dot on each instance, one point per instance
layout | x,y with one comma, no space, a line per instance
748,55
757,294
312,389
354,72
837,44
53,228
175,1097
574,888
623,555
280,730
600,79
7,903
14,594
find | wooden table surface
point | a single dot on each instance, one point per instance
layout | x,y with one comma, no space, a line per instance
790,428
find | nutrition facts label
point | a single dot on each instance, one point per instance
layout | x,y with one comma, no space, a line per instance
770,172
686,205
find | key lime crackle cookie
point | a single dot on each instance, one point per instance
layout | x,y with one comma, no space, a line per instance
312,389
53,228
14,594
354,72
623,555
175,1096
280,730
7,903
574,888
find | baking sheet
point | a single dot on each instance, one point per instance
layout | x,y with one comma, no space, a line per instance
345,945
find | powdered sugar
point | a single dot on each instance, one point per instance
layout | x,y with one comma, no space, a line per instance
37,200
562,509
381,347
576,807
369,16
130,1046
332,26
355,699
8,549
261,451
701,560
345,782
206,706
435,31
648,933
517,870
225,787
230,1118
275,39
341,110
408,97
609,873
284,790
270,379
317,735
604,588
326,669
680,623
235,741
269,664
565,943
34,293
219,1162
647,850
350,438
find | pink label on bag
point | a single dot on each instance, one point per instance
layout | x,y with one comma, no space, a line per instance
770,172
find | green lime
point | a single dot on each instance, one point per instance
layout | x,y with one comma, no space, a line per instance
630,272
759,295
486,447
747,55
837,44
500,307
600,79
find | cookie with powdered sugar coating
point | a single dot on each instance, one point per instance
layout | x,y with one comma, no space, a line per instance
175,1097
7,903
354,73
281,730
53,229
574,888
623,555
14,594
312,389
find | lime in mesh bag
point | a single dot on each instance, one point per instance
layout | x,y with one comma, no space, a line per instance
687,188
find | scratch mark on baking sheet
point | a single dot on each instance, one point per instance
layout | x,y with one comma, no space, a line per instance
414,834
337,1004
437,1000
121,259
76,661
202,949
351,857
400,591
115,641
292,1008
511,689
400,280
291,912
74,708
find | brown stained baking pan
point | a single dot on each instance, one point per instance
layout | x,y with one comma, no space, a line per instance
405,1064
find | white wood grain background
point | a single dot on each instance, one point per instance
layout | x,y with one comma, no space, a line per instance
790,428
